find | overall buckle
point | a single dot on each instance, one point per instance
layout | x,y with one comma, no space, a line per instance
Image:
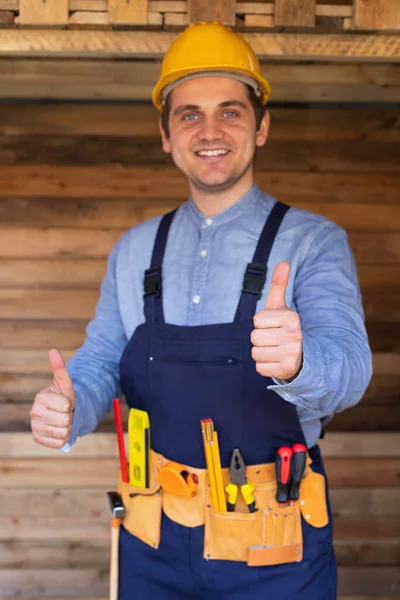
152,281
254,279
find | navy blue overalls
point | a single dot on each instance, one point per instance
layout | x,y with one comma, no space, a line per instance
181,375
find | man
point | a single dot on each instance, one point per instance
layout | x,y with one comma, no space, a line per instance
191,325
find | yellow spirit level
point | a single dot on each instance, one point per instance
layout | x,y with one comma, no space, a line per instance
139,447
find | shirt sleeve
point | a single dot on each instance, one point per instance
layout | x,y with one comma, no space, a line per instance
94,369
337,360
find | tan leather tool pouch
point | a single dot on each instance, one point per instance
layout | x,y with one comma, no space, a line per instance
270,536
273,534
312,500
143,507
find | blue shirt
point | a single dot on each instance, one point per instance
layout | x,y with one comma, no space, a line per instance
203,270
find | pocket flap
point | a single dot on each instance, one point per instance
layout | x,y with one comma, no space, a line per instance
313,500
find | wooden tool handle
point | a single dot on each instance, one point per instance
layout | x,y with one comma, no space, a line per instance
115,528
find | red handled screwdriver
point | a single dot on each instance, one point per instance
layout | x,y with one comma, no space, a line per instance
298,465
283,473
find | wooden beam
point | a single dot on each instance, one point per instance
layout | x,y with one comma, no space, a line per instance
255,8
86,19
88,5
135,44
38,12
132,12
259,20
379,14
134,80
212,10
295,13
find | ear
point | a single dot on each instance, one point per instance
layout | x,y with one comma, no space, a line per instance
262,133
165,141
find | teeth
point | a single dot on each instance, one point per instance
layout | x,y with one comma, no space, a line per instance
212,152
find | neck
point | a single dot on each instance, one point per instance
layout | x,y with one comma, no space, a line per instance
211,204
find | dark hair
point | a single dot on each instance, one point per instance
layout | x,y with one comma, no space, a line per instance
258,106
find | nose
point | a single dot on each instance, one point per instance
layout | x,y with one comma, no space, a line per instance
211,129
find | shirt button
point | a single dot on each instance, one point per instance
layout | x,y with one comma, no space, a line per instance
208,222
203,253
196,299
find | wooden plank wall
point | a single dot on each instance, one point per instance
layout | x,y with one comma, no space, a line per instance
73,177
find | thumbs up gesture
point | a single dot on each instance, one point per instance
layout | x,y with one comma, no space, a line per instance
277,337
53,408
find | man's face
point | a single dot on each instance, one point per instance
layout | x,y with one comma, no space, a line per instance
213,132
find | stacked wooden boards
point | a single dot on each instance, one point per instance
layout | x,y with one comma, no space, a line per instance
317,15
73,178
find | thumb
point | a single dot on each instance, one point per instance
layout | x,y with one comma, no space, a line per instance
277,291
61,378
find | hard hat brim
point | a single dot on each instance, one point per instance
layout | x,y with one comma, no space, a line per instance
168,83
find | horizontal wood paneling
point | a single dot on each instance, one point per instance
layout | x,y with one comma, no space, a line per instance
368,247
45,304
384,416
126,80
141,182
89,583
127,212
277,155
97,445
77,473
35,361
73,178
130,120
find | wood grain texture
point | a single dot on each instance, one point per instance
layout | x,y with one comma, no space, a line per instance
383,417
99,445
379,14
78,304
123,213
276,155
140,182
294,13
379,582
134,80
137,44
212,10
128,11
54,554
67,471
37,12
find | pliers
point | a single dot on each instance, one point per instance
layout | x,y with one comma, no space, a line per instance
237,471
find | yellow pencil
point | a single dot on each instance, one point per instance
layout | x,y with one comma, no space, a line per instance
218,475
210,463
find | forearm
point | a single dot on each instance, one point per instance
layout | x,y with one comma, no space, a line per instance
337,361
94,370
334,375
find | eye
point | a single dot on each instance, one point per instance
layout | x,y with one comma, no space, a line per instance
230,114
190,117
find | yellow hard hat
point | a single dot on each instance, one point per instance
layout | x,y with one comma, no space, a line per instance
209,49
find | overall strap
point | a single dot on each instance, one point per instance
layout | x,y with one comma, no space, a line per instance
153,305
256,271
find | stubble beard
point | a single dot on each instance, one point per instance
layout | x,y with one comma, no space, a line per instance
217,188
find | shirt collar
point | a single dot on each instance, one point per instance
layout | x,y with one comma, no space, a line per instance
250,199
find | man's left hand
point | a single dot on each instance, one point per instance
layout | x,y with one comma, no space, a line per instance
277,337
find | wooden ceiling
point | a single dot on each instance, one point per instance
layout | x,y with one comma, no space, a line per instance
313,50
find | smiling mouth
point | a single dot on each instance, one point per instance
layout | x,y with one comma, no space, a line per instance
205,153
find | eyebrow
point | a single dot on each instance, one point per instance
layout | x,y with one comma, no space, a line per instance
225,104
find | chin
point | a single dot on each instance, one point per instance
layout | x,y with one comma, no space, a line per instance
213,186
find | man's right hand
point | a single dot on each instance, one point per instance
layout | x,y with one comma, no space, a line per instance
53,409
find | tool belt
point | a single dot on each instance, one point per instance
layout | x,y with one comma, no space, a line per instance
272,535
